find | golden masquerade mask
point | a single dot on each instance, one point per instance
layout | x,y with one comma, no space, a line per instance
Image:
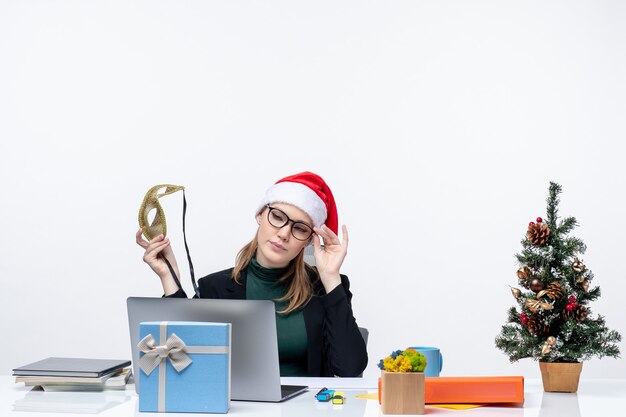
159,226
151,202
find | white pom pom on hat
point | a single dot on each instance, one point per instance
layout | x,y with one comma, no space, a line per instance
310,193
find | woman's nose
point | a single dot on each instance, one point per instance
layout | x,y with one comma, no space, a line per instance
285,232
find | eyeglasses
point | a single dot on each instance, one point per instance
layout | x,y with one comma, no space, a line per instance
279,219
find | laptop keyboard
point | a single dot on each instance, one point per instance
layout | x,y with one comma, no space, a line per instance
287,390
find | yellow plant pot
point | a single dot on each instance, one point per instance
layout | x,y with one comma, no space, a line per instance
402,392
560,377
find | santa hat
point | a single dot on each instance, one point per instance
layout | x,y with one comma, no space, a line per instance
309,193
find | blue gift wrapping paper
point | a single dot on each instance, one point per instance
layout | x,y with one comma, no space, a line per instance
204,385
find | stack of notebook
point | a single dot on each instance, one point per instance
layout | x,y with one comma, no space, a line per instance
75,374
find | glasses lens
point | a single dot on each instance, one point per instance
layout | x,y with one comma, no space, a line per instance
277,218
301,231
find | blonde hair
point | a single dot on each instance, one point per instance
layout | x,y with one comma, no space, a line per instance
299,287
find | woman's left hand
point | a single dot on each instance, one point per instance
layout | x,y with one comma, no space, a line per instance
329,258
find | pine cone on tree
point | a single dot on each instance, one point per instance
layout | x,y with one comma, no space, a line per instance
578,313
538,233
536,326
553,291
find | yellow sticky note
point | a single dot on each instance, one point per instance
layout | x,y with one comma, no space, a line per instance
456,406
374,396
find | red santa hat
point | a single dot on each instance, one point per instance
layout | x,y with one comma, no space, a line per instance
309,193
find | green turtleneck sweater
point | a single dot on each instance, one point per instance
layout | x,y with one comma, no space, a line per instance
262,284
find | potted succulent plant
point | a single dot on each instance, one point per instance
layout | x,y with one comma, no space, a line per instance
553,322
402,382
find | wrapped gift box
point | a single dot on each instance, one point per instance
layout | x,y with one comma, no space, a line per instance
184,367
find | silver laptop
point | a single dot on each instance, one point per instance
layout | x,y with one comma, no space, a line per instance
255,372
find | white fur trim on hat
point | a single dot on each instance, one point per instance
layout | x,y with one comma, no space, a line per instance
298,195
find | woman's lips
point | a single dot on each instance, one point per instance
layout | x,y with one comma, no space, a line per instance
277,246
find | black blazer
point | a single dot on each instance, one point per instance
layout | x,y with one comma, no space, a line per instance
335,344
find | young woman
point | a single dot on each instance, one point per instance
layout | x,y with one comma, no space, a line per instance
317,332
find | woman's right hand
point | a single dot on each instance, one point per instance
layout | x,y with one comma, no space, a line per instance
155,250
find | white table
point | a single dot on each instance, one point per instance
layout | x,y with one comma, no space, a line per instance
599,397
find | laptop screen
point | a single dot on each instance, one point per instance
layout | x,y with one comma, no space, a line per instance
255,370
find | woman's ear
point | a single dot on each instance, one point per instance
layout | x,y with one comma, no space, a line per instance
258,219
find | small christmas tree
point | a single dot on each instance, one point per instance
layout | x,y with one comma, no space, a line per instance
554,322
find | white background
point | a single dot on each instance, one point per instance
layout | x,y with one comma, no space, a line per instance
438,125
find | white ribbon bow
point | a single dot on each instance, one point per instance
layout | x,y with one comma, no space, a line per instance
174,349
